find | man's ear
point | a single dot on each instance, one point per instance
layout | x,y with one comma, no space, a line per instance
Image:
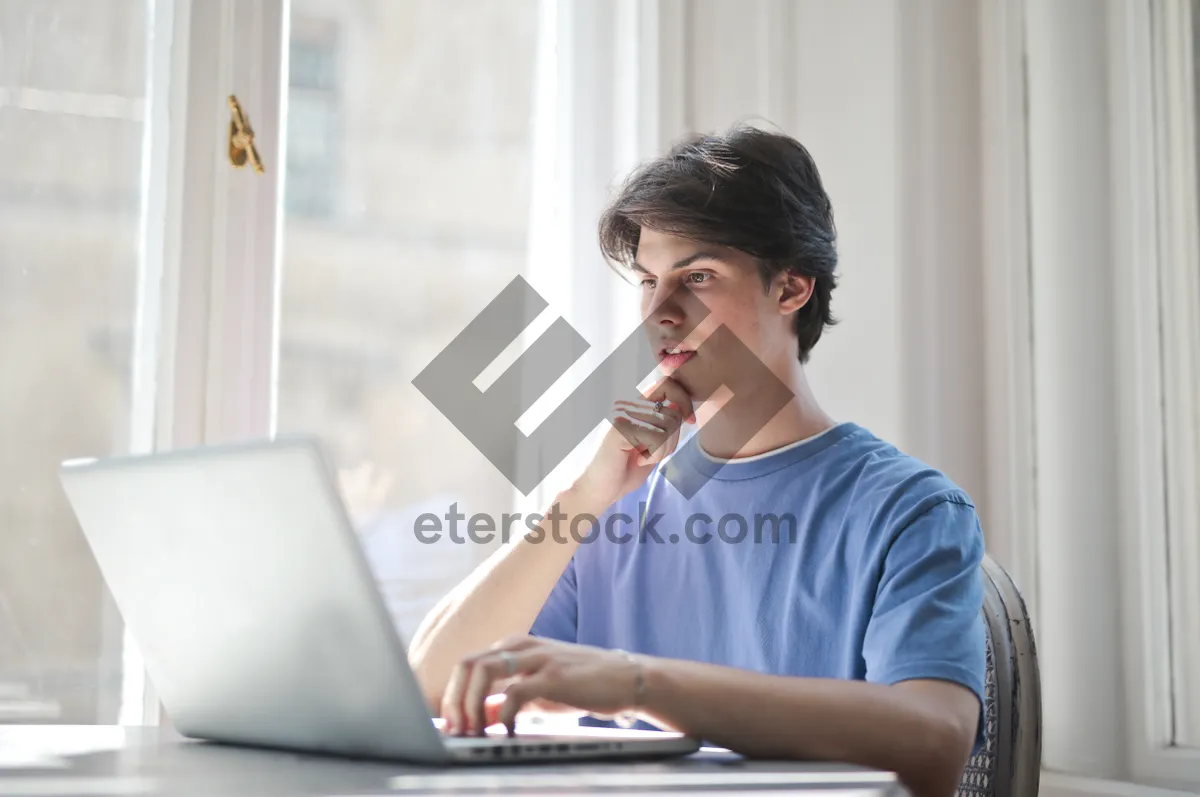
794,291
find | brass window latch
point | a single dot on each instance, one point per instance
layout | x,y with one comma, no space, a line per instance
241,139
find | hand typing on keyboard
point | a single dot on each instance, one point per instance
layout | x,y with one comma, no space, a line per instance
527,673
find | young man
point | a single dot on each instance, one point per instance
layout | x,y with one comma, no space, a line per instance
850,632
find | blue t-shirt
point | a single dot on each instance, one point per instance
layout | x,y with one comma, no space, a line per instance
834,557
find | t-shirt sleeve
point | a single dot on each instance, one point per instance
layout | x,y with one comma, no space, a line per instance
559,616
927,621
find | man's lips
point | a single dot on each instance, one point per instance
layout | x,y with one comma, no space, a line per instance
673,361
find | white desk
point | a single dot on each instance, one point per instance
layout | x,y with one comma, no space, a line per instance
81,761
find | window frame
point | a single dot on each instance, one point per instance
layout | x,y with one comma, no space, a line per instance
1174,43
1136,159
1009,328
1156,278
204,363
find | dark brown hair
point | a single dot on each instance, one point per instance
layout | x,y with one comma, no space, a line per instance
748,189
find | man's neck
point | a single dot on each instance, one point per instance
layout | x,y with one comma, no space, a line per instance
732,435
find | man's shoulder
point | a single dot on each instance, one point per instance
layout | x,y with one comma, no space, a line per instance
891,484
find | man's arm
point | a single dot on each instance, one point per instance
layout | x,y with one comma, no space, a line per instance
917,713
922,730
502,597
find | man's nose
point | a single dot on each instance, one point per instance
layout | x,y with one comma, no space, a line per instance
666,309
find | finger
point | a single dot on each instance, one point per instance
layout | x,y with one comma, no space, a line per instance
663,451
452,697
640,429
486,671
665,420
494,706
491,703
656,446
653,448
656,455
670,390
641,436
666,413
517,696
478,687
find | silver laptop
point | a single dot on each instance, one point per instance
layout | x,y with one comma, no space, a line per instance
240,576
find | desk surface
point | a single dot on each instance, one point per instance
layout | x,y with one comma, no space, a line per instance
36,761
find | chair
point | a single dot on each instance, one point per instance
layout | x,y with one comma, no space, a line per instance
1009,762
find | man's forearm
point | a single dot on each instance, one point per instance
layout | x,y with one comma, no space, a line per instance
501,598
764,716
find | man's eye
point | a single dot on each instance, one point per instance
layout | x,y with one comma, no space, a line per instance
698,276
647,283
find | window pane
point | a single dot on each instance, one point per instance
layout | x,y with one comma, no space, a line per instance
407,196
71,109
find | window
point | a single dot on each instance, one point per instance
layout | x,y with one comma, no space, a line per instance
72,107
432,108
137,272
314,98
434,151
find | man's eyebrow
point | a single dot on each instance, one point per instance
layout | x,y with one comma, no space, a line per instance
684,263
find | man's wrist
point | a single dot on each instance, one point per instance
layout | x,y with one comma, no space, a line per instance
661,696
580,500
629,716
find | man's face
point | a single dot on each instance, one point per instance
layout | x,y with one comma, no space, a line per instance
728,284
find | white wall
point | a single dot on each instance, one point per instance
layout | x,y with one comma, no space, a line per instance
885,95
